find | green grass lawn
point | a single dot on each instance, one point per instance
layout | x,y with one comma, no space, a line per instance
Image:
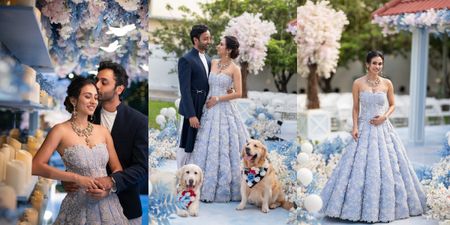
154,107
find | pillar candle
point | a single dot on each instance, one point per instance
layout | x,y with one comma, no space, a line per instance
15,175
15,143
8,198
32,145
36,92
9,151
4,158
25,157
31,216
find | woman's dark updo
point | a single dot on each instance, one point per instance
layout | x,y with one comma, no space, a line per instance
74,90
232,44
373,54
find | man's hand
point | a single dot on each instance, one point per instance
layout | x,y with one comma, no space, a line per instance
230,90
97,193
70,186
193,121
105,181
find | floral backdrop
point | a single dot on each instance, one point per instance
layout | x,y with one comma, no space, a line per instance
81,33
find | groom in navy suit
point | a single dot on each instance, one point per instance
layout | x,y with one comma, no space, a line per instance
193,72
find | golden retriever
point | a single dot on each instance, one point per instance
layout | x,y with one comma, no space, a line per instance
260,185
189,183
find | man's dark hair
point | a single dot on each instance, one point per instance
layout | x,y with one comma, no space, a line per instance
120,75
198,30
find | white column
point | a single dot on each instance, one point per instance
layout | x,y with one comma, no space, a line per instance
418,86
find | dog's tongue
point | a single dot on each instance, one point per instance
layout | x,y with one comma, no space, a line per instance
248,157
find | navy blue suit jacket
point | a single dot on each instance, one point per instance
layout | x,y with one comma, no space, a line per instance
130,137
192,77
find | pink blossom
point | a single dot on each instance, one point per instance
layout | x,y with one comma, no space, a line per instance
319,31
253,35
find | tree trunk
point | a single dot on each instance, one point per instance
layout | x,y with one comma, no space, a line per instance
312,96
325,84
244,75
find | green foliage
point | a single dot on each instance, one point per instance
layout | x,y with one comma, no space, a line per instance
173,36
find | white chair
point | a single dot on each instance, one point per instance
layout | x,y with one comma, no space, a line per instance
445,107
433,112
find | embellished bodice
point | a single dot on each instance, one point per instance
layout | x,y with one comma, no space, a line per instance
219,84
86,161
372,104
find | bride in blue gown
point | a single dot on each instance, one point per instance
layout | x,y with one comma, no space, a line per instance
374,180
222,133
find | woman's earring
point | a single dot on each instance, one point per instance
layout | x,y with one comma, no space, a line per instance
74,112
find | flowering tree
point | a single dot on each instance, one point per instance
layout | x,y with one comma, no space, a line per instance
319,29
253,35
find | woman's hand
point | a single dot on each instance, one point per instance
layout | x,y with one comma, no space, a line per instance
212,101
355,134
377,120
97,193
88,182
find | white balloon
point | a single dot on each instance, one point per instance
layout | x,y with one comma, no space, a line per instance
313,203
160,119
163,111
307,147
277,116
177,103
261,116
305,176
302,158
171,113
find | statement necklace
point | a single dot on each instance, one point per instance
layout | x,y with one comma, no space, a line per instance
223,66
86,132
373,83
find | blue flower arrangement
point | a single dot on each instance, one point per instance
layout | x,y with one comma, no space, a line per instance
331,146
162,205
424,172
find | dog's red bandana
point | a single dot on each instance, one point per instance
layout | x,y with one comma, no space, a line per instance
187,197
254,175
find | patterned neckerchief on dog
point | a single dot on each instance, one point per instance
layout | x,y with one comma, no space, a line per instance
186,197
254,175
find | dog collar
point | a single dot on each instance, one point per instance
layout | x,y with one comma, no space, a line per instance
186,197
254,175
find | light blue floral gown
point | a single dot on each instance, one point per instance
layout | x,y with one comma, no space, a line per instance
78,208
218,145
374,180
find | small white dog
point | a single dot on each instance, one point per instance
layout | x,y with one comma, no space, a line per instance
189,183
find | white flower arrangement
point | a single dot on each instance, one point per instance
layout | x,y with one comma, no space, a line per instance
319,29
437,191
160,149
253,35
437,21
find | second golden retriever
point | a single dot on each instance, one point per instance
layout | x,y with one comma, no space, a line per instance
189,183
260,185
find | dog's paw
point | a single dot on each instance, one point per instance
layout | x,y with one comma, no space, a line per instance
182,213
193,213
265,209
240,207
274,205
